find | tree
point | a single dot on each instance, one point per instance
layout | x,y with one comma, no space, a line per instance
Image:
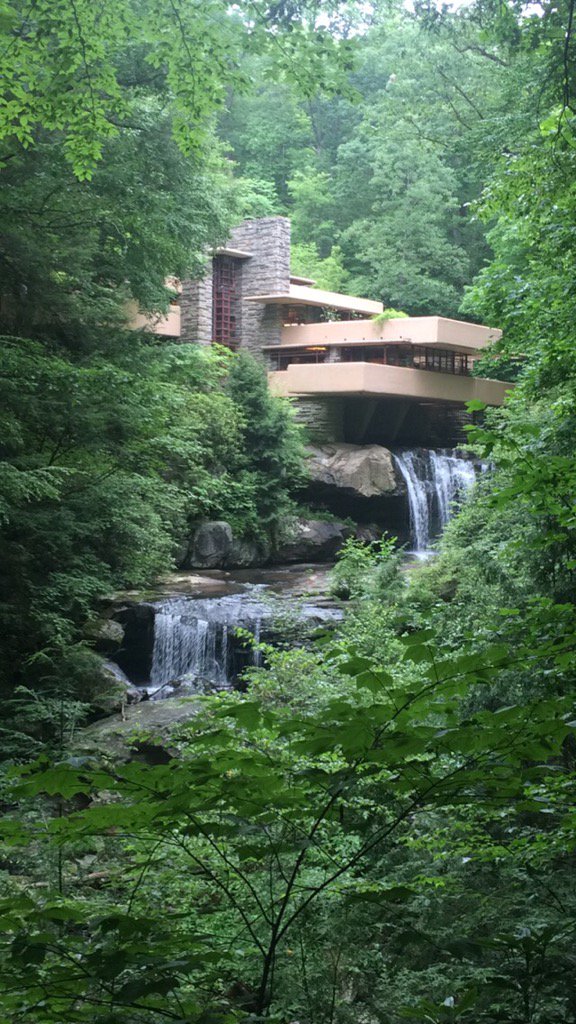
388,172
404,253
75,254
73,69
265,817
272,454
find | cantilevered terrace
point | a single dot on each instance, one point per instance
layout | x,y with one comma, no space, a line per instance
421,358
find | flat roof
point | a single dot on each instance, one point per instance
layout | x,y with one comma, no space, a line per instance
294,279
300,295
239,254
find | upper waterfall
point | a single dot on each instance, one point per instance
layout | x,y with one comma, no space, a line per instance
435,482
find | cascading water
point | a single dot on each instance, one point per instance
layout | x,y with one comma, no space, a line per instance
191,638
187,644
410,465
435,482
452,478
195,642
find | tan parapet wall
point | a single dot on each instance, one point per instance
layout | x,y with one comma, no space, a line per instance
417,330
386,382
166,326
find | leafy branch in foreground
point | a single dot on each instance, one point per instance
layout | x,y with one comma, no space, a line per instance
67,66
265,817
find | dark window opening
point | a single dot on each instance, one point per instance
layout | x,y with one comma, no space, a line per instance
413,357
224,300
282,360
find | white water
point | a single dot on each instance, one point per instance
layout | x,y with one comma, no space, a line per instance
436,483
193,639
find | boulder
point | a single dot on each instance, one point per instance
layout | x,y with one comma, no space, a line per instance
247,554
143,730
363,471
211,546
368,533
106,635
312,540
114,691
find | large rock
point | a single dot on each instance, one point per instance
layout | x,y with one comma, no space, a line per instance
313,540
114,691
364,471
246,554
142,730
211,546
106,635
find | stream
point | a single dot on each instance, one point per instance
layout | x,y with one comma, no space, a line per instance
202,630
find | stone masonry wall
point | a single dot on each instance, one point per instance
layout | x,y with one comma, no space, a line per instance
322,417
266,272
196,310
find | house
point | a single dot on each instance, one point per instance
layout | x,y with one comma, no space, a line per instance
355,377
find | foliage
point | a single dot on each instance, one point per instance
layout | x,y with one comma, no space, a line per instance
388,174
268,816
327,273
271,462
389,314
362,569
98,493
382,828
405,252
78,71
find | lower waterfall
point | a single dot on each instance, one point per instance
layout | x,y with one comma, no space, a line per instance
196,644
435,481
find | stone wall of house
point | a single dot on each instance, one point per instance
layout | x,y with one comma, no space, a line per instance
323,418
267,272
196,310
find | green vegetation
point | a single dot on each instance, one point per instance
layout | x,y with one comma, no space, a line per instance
113,445
107,463
382,828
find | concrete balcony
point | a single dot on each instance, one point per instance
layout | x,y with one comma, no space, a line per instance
373,380
455,335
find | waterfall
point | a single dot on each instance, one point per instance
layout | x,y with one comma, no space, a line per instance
411,467
435,482
451,477
195,643
192,641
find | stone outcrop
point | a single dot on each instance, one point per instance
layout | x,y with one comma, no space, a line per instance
247,554
106,635
313,540
368,533
362,471
211,545
214,546
141,731
114,691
